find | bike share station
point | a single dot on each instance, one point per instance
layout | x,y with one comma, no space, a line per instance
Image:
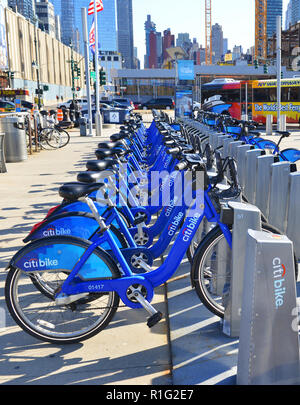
261,303
252,271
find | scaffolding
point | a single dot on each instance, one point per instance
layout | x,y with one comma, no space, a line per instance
261,30
208,50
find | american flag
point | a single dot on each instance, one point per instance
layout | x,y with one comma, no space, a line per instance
92,41
99,6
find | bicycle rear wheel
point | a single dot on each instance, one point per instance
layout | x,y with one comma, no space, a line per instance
211,270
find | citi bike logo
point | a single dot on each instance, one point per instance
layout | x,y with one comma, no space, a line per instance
39,263
187,232
173,226
52,231
279,271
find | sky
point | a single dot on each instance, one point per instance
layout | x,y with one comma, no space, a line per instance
236,17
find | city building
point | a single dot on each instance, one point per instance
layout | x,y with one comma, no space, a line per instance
274,8
152,58
290,40
36,52
142,85
24,7
46,18
149,27
216,42
183,41
292,13
108,27
125,32
237,52
225,45
57,28
168,41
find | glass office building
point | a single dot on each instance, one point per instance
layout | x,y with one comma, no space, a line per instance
24,7
274,8
125,32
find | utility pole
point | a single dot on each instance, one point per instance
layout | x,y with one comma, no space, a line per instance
278,21
36,65
98,117
87,69
72,70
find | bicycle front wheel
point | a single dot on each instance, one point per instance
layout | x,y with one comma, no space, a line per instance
56,138
38,314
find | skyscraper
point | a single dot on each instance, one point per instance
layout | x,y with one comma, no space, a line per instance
292,13
24,7
168,41
216,42
45,13
125,32
67,16
149,27
274,8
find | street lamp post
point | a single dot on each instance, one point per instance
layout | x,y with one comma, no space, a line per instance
36,64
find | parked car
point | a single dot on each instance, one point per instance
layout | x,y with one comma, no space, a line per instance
162,103
125,101
82,102
115,104
26,105
7,105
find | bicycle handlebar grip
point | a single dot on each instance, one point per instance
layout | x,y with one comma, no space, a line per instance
181,166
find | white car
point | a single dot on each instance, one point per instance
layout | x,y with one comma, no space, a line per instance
82,103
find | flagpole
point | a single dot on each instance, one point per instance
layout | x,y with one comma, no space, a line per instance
98,117
87,69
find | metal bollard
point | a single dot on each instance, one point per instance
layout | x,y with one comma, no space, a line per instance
263,181
279,189
245,216
268,342
269,125
293,217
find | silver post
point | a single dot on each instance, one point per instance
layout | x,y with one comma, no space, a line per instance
87,70
278,21
98,118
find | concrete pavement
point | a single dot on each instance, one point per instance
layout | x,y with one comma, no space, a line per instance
186,348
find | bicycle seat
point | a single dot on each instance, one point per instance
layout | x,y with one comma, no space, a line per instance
73,191
90,177
100,165
118,137
284,134
110,145
103,153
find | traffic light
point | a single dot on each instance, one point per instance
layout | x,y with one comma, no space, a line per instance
281,75
12,75
256,64
78,88
265,69
102,77
78,72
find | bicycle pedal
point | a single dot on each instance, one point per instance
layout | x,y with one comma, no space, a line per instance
154,319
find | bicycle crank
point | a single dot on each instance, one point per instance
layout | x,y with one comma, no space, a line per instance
137,293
